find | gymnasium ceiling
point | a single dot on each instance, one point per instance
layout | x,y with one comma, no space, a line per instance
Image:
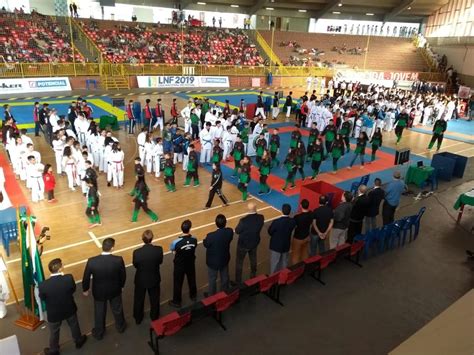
382,10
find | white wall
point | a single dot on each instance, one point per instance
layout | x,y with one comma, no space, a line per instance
10,5
460,57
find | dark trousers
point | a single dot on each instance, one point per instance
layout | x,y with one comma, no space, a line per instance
50,195
131,126
178,278
49,136
347,143
195,131
212,274
37,128
239,262
143,205
355,228
328,146
436,137
388,213
55,327
211,197
100,313
139,302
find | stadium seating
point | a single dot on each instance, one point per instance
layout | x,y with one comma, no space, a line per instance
385,53
33,38
140,44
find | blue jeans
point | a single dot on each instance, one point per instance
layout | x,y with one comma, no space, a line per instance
315,244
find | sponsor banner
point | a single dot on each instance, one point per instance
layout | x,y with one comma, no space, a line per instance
29,85
377,77
183,81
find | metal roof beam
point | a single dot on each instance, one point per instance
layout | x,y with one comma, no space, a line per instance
185,3
328,7
258,5
396,10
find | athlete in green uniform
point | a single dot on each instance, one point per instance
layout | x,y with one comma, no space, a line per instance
265,165
376,142
317,156
244,177
438,133
192,167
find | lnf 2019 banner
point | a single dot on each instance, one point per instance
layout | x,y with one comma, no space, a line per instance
183,81
20,86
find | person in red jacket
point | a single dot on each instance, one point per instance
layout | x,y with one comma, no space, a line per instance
49,182
174,112
131,117
148,114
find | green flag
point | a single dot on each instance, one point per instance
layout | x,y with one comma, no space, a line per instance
32,269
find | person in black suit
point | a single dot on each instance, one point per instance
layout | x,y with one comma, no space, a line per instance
248,229
147,261
280,232
217,246
57,293
109,276
376,196
358,212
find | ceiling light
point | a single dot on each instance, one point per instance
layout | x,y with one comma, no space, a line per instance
270,8
336,12
302,10
201,3
234,5
340,4
369,14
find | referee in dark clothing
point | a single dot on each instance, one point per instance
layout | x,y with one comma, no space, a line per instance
147,261
108,272
57,293
184,249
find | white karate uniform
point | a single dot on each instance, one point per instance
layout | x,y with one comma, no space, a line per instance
58,147
157,154
141,138
35,174
205,137
70,168
25,139
81,172
228,141
148,152
186,114
108,168
20,161
116,161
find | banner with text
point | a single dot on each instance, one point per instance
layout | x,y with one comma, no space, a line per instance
183,82
32,85
404,79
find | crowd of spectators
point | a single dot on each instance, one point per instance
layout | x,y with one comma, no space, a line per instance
373,30
33,38
141,44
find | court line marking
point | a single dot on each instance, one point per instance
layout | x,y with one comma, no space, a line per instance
464,150
94,238
116,251
49,251
167,220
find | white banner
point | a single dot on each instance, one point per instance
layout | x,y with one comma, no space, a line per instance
183,81
404,79
27,85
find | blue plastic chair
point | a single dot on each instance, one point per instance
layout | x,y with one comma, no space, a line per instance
371,240
384,237
397,232
363,181
9,232
418,221
407,227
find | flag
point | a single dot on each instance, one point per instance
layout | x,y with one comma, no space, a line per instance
32,269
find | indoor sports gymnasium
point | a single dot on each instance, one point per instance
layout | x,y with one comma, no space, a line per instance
237,177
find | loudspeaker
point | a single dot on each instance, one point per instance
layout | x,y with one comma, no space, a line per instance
402,156
118,102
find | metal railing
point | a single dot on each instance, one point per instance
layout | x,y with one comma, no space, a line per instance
23,70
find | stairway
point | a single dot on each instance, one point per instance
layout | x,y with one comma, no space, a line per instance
263,48
114,82
79,44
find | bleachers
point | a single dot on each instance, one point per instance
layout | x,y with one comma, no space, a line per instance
385,53
271,285
33,38
139,43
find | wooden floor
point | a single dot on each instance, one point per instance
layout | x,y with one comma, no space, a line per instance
73,242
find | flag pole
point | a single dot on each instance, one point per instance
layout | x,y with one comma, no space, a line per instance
27,319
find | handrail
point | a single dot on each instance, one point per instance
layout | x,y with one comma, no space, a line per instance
267,49
90,44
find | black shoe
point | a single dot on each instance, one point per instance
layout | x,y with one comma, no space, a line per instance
194,299
81,342
97,336
48,352
138,322
121,330
260,193
174,304
108,184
